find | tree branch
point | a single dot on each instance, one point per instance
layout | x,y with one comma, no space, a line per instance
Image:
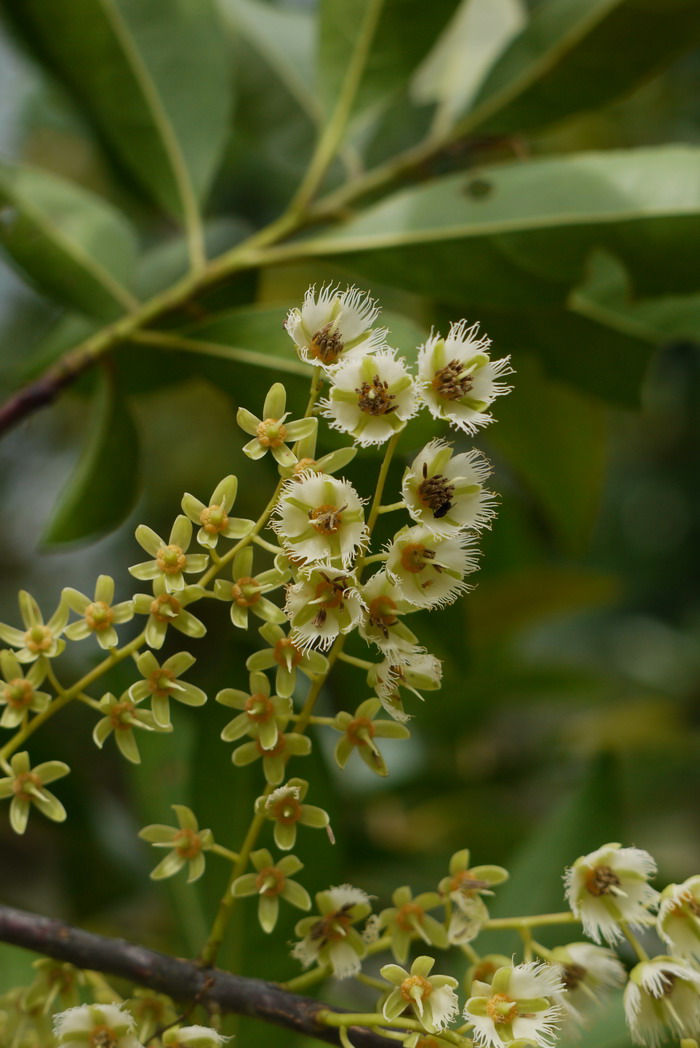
176,977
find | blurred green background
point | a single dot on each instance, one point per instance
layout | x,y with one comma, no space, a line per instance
570,709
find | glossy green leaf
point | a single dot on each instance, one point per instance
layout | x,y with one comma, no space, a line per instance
574,55
74,246
375,44
104,483
525,236
153,78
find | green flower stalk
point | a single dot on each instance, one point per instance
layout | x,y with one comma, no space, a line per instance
214,519
121,717
263,715
359,731
99,615
171,560
162,683
18,691
165,609
247,590
285,807
288,657
272,882
187,845
308,463
432,997
272,432
407,918
39,639
27,786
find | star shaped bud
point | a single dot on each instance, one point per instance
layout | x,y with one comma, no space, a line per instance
359,731
171,557
321,519
371,398
192,1037
285,807
88,1025
263,715
214,519
187,845
39,639
679,917
53,979
588,973
380,623
274,758
334,325
517,1005
484,970
464,887
272,882
404,670
662,1000
445,492
407,919
329,937
432,997
246,591
321,606
428,569
27,786
458,379
308,463
608,886
162,683
272,432
18,690
98,615
165,609
287,657
121,717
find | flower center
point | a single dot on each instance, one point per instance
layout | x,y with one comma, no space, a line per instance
327,519
572,975
286,653
415,986
259,708
38,638
436,493
23,779
360,731
279,747
407,916
213,519
601,880
466,884
331,592
18,693
287,810
270,881
120,715
305,464
246,592
333,927
374,397
381,612
669,982
170,559
327,344
187,843
99,616
414,556
272,433
165,607
160,683
103,1037
501,1008
452,382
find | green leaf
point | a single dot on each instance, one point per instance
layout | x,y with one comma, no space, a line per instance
103,486
526,234
152,76
575,55
377,44
76,247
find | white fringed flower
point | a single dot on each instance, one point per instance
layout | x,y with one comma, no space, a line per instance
679,917
432,997
412,670
381,624
371,397
333,325
321,519
662,995
329,938
518,1006
458,379
428,569
193,1037
588,973
322,605
445,492
608,886
108,1025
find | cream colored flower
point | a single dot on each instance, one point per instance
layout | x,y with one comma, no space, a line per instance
332,325
662,999
516,1005
321,519
429,570
610,885
371,398
445,492
322,605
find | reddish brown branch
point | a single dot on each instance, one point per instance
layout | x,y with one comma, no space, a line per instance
180,979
